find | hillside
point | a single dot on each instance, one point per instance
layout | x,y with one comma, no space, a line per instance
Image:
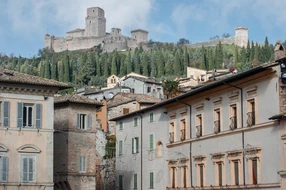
161,61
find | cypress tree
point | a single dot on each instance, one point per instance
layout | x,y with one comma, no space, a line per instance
145,64
66,68
160,64
54,69
203,59
113,66
128,63
98,66
236,58
153,66
248,52
186,61
177,65
123,66
219,56
136,60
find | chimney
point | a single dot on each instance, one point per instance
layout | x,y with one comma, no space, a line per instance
279,51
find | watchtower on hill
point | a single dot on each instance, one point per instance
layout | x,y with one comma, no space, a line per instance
95,22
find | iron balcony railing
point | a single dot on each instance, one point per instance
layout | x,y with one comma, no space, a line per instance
183,134
250,119
171,138
199,131
217,126
233,123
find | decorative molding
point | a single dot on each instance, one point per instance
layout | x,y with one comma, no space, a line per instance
200,159
172,115
217,102
199,107
3,148
251,92
184,112
218,157
252,152
29,148
233,97
234,154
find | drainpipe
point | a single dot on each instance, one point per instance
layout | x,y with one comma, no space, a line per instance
191,168
141,150
242,132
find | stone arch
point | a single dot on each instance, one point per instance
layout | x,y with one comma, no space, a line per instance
29,148
159,149
3,148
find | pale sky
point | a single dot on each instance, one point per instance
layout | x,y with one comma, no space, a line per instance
23,23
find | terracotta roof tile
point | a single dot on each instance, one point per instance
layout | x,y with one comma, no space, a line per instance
22,78
76,99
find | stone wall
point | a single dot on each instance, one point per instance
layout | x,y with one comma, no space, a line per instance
230,40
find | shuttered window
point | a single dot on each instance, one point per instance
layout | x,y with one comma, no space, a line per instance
151,142
84,122
5,107
151,117
120,185
135,181
151,180
219,165
120,149
3,169
28,169
201,175
135,121
120,125
135,145
29,115
236,173
38,116
254,171
82,164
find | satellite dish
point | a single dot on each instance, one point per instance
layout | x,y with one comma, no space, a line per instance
110,95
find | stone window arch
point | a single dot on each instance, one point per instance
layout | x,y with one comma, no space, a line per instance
29,148
159,149
3,148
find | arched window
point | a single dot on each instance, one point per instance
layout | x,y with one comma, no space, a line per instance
159,149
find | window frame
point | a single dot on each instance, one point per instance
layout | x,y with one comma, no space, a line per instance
135,145
120,125
135,181
120,148
34,173
135,121
151,142
151,117
121,182
151,180
35,117
82,164
4,168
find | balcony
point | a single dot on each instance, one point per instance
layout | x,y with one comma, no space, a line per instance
250,119
171,138
217,126
183,134
233,123
199,131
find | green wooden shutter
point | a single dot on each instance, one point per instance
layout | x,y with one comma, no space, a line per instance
25,169
151,142
20,114
137,144
38,116
135,181
4,171
120,182
132,145
88,122
78,121
83,163
120,147
6,114
151,180
31,169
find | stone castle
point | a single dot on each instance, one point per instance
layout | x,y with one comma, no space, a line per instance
95,34
240,39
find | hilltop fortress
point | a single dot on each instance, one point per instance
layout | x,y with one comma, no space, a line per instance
95,34
240,39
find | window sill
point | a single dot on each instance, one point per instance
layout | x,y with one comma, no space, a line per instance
135,153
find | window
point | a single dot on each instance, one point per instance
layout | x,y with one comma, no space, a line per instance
219,169
83,122
132,90
135,145
151,142
217,126
236,172
183,130
5,114
250,112
29,115
151,180
184,178
151,117
125,111
172,132
201,175
199,126
148,89
135,121
120,125
120,181
135,181
28,169
120,148
254,171
82,164
3,168
173,181
233,118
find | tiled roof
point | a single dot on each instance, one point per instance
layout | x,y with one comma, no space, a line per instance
147,80
22,78
74,98
123,98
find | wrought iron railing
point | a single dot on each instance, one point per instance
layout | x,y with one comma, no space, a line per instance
171,137
183,134
217,126
199,131
233,123
250,119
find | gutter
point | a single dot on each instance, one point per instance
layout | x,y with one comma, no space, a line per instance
141,150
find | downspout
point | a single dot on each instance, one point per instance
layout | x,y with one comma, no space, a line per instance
242,132
191,169
141,150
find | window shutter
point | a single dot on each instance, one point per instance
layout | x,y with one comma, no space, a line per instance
151,142
31,169
78,121
83,164
25,169
137,144
20,114
38,116
80,164
6,114
132,145
88,122
120,147
4,169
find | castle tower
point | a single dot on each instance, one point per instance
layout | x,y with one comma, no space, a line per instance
140,35
241,36
95,22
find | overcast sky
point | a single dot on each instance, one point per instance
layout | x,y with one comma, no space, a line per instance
23,23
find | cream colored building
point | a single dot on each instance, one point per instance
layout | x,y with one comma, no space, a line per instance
26,131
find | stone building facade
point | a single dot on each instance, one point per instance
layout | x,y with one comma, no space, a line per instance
75,147
95,34
26,131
